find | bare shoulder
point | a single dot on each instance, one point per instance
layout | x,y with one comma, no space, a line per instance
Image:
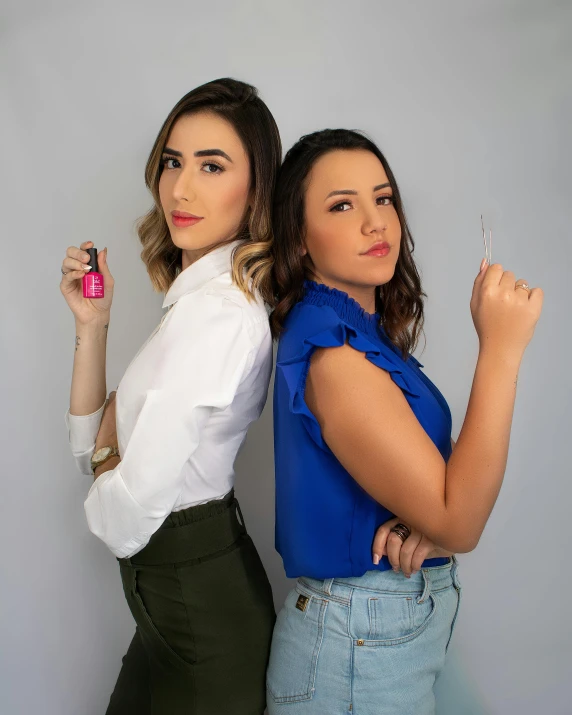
343,384
344,365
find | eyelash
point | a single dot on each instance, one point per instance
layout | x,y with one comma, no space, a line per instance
166,159
343,203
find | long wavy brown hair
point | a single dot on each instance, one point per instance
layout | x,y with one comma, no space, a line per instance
239,104
399,301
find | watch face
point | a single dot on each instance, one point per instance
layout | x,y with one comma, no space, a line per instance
101,454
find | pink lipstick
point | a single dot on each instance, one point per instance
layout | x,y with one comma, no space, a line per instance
182,219
379,249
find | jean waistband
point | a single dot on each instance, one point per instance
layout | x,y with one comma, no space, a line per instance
192,533
425,581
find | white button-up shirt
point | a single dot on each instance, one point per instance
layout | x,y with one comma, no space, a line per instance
183,407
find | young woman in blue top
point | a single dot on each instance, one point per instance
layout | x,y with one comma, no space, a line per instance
363,435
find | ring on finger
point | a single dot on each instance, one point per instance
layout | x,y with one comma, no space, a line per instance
402,531
64,272
523,285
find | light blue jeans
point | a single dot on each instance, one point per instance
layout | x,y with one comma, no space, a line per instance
366,645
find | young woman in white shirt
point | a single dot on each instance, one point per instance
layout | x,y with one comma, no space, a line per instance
163,499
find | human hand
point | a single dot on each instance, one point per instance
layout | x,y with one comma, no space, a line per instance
504,313
86,310
406,555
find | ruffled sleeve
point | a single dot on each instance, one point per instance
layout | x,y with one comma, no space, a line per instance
328,329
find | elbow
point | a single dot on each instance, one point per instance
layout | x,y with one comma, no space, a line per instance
465,547
459,543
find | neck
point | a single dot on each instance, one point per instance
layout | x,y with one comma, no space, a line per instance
364,295
190,256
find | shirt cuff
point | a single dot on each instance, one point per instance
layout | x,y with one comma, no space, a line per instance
82,430
116,517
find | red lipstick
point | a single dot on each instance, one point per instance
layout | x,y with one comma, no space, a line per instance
380,249
182,219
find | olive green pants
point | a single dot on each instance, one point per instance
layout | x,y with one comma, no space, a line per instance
203,608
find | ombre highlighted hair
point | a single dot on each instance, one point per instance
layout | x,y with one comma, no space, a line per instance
240,105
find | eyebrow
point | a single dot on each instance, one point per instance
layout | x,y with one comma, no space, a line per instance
202,152
352,192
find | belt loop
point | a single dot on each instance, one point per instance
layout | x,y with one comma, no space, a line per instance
455,572
427,589
328,586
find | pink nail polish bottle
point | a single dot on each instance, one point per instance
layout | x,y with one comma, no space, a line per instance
93,281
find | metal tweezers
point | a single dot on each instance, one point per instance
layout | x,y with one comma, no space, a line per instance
489,248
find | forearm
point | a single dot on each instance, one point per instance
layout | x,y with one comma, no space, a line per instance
88,387
477,465
111,463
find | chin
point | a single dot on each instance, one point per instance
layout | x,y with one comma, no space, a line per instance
381,277
188,243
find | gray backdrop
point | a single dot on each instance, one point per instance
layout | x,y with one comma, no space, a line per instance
471,103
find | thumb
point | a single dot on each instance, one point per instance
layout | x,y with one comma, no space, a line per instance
482,271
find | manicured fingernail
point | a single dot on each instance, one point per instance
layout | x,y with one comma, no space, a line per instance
86,268
376,559
396,570
483,264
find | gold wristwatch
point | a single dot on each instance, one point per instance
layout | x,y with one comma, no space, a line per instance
102,455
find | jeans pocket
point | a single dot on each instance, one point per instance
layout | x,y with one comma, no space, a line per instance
296,644
459,590
155,644
397,618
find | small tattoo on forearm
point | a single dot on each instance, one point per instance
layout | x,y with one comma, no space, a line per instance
76,342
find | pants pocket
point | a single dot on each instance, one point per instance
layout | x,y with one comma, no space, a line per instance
397,618
459,590
295,649
155,644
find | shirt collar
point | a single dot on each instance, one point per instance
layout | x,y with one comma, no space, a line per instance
209,266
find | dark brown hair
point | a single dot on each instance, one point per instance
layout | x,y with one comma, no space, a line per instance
239,104
399,301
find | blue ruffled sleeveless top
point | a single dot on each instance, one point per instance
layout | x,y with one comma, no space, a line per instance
325,521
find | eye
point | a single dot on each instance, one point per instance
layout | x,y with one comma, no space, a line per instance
210,167
385,200
166,161
338,208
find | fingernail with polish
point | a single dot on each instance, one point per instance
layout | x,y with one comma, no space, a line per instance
376,559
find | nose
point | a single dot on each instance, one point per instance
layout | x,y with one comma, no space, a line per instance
183,189
373,221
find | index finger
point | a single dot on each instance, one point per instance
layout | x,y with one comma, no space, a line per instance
380,538
493,274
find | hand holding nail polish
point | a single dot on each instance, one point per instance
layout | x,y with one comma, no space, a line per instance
87,283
